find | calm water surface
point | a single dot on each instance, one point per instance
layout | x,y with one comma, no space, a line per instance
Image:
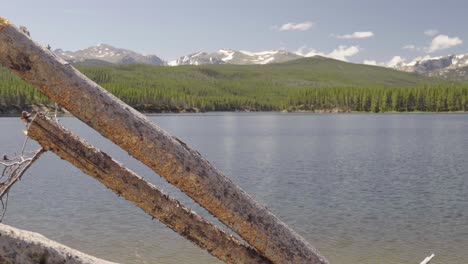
362,188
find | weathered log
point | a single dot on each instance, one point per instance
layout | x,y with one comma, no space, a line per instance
163,153
97,164
25,247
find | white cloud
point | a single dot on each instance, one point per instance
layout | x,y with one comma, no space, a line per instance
442,42
302,26
395,61
431,32
427,57
306,52
340,53
370,62
398,61
420,58
413,48
409,47
356,35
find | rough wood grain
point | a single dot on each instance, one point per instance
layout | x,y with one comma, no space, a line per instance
164,154
25,247
97,164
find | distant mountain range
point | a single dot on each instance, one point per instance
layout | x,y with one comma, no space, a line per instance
229,56
103,53
454,67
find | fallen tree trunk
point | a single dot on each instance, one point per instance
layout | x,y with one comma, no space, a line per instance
19,246
164,154
97,164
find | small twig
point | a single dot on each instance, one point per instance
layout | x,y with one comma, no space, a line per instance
24,145
4,207
56,111
16,167
427,259
28,123
15,163
17,173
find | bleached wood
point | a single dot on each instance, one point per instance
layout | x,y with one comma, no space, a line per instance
25,247
427,259
165,154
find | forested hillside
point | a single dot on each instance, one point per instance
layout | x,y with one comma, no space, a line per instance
310,84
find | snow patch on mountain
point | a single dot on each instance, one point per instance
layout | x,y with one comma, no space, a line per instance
451,66
229,55
108,53
241,57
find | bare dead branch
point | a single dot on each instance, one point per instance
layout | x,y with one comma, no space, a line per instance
17,170
14,171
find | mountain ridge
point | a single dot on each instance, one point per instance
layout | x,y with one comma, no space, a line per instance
101,53
316,84
453,66
237,57
110,54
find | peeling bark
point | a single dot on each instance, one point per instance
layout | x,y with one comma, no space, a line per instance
97,164
163,153
19,246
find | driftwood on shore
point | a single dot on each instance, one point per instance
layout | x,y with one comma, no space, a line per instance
54,137
163,153
19,246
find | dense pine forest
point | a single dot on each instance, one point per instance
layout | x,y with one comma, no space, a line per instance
311,84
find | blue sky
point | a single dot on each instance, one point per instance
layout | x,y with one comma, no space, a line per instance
358,30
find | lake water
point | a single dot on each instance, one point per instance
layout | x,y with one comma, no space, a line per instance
361,188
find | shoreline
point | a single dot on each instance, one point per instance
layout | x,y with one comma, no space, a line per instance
16,112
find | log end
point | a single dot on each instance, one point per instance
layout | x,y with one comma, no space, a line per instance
4,22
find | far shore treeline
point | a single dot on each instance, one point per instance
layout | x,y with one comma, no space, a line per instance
311,84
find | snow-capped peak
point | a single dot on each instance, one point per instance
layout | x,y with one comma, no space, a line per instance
230,56
436,66
261,53
110,54
228,53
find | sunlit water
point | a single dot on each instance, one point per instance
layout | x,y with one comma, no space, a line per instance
362,188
